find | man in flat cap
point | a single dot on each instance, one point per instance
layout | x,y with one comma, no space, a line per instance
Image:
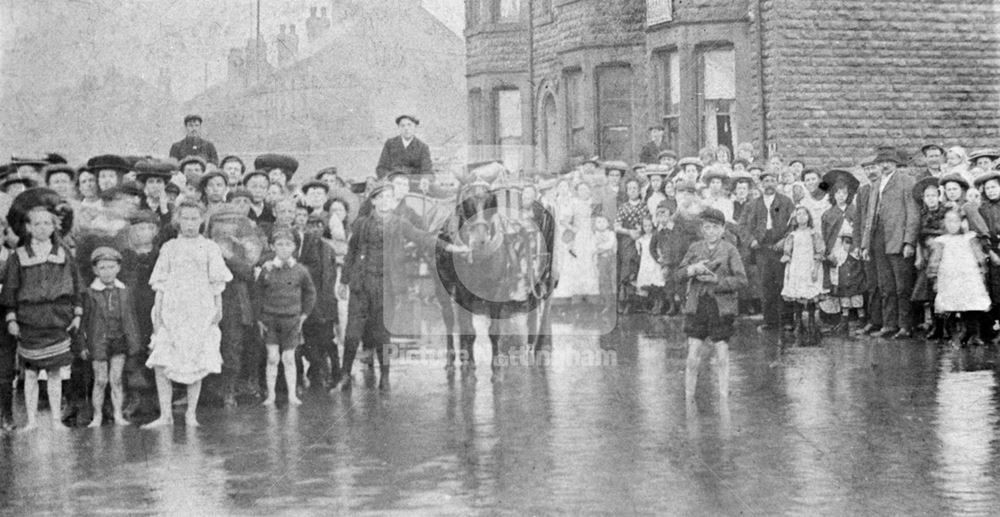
193,144
765,225
405,151
651,151
933,160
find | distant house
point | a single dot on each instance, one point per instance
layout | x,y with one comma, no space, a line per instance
822,80
336,104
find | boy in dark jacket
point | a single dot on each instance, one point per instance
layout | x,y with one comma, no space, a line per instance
237,311
287,297
375,276
138,260
714,274
665,246
110,329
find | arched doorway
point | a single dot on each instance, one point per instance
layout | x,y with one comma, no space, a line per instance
550,133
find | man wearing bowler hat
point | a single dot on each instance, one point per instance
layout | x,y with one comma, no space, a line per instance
651,150
888,222
405,151
193,144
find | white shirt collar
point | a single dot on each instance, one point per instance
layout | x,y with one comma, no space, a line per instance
98,285
406,143
885,180
278,263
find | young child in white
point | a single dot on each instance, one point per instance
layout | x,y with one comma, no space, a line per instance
188,278
957,268
803,269
650,277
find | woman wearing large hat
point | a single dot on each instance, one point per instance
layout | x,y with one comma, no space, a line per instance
690,168
109,169
842,274
716,179
989,209
279,167
984,158
927,194
655,193
955,187
154,175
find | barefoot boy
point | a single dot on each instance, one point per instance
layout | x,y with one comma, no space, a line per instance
714,273
287,297
111,330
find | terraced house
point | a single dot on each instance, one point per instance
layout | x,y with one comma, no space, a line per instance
824,80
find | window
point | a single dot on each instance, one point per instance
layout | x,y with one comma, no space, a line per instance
508,127
668,95
506,10
574,110
717,91
614,112
659,11
476,117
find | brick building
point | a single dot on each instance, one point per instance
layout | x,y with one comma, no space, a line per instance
552,79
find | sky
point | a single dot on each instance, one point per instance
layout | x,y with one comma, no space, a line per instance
451,12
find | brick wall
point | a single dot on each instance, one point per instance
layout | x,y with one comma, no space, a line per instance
842,77
704,10
496,49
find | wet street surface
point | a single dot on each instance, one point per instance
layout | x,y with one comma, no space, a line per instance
852,427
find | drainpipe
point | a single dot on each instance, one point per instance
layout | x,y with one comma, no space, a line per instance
760,69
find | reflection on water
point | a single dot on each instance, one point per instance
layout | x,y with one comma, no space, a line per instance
852,427
966,420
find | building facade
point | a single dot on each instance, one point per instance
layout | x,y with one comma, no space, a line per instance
550,81
336,103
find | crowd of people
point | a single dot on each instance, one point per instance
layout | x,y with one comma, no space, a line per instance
131,275
895,245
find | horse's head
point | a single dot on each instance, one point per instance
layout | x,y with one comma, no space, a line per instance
477,224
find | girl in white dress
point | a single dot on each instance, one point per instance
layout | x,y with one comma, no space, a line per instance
650,278
803,270
188,278
957,268
579,274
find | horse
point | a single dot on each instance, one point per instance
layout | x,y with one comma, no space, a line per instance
508,270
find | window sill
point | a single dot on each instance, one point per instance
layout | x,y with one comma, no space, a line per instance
489,28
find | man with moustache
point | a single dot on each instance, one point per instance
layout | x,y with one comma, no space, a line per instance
889,221
933,160
873,297
766,225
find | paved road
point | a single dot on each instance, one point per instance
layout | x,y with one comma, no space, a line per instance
853,427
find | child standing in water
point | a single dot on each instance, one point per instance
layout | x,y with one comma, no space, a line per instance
287,296
649,281
714,274
189,277
111,331
803,272
957,267
41,294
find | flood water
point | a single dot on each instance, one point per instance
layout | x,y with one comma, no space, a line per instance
853,427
